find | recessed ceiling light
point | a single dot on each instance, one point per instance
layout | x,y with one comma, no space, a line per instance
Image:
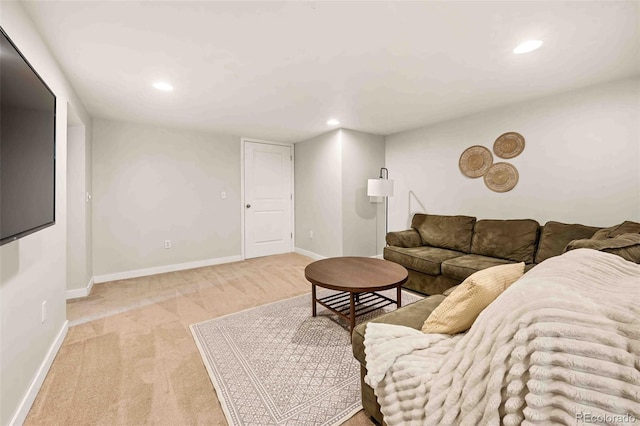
162,85
527,46
333,122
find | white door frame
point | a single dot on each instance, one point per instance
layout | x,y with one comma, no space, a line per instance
242,201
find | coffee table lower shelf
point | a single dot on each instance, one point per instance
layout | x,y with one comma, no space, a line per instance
351,305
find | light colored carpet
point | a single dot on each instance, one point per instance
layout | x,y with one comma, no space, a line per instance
277,365
129,358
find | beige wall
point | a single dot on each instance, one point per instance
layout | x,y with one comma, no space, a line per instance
153,184
33,269
331,172
318,194
581,162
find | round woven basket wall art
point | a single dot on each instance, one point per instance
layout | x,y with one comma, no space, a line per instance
475,161
501,177
509,145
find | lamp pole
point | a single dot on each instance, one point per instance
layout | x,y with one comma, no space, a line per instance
386,205
381,187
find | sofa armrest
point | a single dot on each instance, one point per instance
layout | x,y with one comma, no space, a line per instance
412,315
408,238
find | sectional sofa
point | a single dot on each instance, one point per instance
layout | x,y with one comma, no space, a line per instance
441,251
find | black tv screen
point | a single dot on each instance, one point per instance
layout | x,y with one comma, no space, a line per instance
27,146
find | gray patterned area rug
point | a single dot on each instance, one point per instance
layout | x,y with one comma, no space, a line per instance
277,365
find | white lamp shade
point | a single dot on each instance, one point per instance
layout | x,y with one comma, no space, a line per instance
380,188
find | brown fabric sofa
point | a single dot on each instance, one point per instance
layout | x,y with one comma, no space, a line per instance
441,251
412,315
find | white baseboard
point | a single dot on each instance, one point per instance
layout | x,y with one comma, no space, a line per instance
28,399
80,292
163,269
308,253
316,256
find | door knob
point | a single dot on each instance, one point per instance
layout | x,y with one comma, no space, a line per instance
248,206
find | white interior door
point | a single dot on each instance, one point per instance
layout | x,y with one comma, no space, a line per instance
268,197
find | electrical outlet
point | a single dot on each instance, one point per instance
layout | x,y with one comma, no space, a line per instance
43,313
167,244
223,195
311,235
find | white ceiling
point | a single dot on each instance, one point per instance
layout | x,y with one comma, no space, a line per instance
278,71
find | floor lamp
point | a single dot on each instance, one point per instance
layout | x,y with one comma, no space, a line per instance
382,187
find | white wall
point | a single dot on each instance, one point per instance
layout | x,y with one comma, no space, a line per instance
331,172
318,189
153,184
76,206
88,209
33,269
581,162
362,220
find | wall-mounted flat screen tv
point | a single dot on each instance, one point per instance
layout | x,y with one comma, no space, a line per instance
27,146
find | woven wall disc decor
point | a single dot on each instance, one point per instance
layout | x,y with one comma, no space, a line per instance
475,161
501,177
509,145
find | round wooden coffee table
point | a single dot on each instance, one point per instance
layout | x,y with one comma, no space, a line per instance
357,279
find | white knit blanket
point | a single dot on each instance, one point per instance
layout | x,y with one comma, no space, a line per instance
561,345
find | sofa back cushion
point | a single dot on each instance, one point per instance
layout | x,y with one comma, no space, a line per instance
626,227
506,239
555,236
448,232
626,246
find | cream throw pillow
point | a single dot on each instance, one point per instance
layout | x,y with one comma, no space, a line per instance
460,309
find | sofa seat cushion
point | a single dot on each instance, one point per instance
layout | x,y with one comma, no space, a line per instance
461,267
555,236
507,239
448,232
412,315
422,259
